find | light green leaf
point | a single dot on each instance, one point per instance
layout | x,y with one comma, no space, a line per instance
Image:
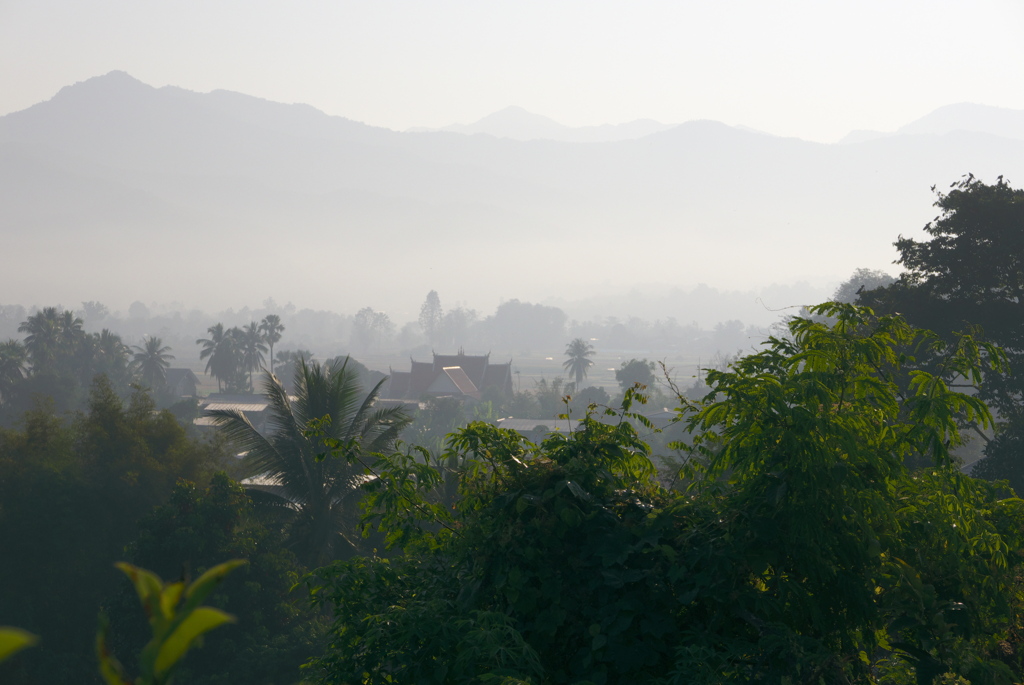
200,621
147,585
170,597
14,640
205,584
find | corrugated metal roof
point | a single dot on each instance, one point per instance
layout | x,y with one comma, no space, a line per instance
237,406
553,425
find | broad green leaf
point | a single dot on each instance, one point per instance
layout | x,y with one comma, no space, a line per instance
205,584
200,621
170,597
14,640
147,584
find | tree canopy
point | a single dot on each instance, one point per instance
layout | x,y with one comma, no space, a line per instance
969,276
804,550
72,493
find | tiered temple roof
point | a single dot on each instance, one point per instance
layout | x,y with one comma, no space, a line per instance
457,375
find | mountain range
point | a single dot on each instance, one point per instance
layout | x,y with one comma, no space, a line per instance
117,191
518,124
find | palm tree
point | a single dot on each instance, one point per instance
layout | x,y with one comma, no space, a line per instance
271,327
111,357
12,367
578,363
251,348
221,351
151,361
43,340
71,332
317,497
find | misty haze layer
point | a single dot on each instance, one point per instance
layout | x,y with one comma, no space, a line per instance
116,191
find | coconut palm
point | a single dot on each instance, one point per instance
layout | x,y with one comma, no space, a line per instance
251,348
316,496
54,337
12,366
71,332
151,362
221,351
42,341
110,357
271,327
578,363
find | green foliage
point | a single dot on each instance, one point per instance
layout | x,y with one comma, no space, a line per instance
194,530
578,362
582,398
316,498
804,551
432,424
636,371
548,397
234,354
72,492
969,276
151,362
271,328
58,361
177,621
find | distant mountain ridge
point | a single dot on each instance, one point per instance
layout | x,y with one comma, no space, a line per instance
996,121
518,124
113,190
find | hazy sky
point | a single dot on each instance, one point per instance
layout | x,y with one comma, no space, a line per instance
813,69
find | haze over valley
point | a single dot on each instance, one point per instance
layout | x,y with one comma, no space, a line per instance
532,343
220,200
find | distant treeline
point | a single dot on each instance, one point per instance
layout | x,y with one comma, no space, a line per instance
514,328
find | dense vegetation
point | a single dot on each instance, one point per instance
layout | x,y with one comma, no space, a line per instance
803,549
820,529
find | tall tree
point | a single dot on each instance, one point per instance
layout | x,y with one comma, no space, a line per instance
578,360
635,371
431,316
370,328
455,326
970,273
13,358
251,348
271,327
221,352
43,338
54,341
71,332
151,362
316,495
110,357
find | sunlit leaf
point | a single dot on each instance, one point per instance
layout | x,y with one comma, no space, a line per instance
200,621
14,640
